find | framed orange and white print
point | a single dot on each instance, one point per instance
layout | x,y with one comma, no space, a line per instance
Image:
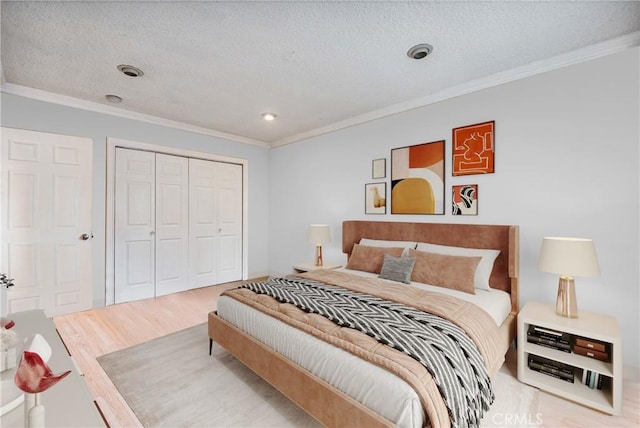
474,149
417,179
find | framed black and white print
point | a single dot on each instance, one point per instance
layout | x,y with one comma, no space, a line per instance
379,168
375,198
465,199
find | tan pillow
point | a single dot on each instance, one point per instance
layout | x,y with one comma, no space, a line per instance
369,259
454,272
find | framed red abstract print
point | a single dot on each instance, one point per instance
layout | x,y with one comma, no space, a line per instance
473,149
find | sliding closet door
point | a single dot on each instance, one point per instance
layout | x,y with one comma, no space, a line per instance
203,223
230,220
215,222
178,224
134,225
172,224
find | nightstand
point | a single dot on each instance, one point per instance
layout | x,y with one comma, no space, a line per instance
548,358
306,267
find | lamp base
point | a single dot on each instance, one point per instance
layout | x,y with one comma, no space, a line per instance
567,304
319,261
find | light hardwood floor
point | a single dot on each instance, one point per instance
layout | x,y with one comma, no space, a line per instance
97,332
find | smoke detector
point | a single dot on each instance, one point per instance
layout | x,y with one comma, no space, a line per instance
420,51
130,70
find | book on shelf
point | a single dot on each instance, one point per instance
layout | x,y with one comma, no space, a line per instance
549,338
551,368
548,333
591,353
591,344
592,379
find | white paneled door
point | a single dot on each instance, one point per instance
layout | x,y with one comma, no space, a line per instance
178,224
135,208
203,222
172,224
215,222
230,221
46,221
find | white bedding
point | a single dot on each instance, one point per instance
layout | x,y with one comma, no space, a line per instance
381,391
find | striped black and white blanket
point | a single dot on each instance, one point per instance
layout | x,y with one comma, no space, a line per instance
443,348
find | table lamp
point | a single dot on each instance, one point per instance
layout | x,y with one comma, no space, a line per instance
568,257
319,234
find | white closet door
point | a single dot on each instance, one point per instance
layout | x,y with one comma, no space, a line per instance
134,225
172,224
230,222
46,210
203,223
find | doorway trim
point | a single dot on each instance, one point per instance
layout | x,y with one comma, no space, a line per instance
112,143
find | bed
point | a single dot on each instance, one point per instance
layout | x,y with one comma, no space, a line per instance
317,386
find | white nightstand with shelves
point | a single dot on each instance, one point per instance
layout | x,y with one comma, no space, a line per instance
306,267
589,325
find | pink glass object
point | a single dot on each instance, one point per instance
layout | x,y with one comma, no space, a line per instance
34,375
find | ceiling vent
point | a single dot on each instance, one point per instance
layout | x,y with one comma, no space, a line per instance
420,51
130,70
113,98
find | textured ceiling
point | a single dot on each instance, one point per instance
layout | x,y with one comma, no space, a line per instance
218,65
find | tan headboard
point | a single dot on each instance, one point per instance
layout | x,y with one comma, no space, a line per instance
501,237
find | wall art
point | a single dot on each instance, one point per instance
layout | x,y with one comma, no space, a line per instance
379,168
474,149
464,199
375,198
417,179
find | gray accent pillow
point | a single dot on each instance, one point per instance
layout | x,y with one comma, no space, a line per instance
397,268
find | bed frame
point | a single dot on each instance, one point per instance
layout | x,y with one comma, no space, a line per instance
325,403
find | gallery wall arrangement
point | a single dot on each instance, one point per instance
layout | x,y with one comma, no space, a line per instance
418,174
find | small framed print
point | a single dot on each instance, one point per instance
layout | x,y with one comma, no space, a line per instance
375,198
464,199
379,168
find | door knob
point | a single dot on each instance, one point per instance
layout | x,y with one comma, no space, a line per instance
86,236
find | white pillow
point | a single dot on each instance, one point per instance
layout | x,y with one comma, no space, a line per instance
383,243
483,271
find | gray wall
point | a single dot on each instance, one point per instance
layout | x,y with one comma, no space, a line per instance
25,113
567,164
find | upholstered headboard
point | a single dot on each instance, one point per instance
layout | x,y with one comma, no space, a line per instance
500,237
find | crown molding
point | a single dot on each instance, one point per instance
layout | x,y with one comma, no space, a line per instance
559,61
37,94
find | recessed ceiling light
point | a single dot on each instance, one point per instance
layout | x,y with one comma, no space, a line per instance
269,116
113,98
130,70
420,51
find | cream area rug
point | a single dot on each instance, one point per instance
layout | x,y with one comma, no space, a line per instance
173,382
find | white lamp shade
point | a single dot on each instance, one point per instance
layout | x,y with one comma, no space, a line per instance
568,256
319,234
